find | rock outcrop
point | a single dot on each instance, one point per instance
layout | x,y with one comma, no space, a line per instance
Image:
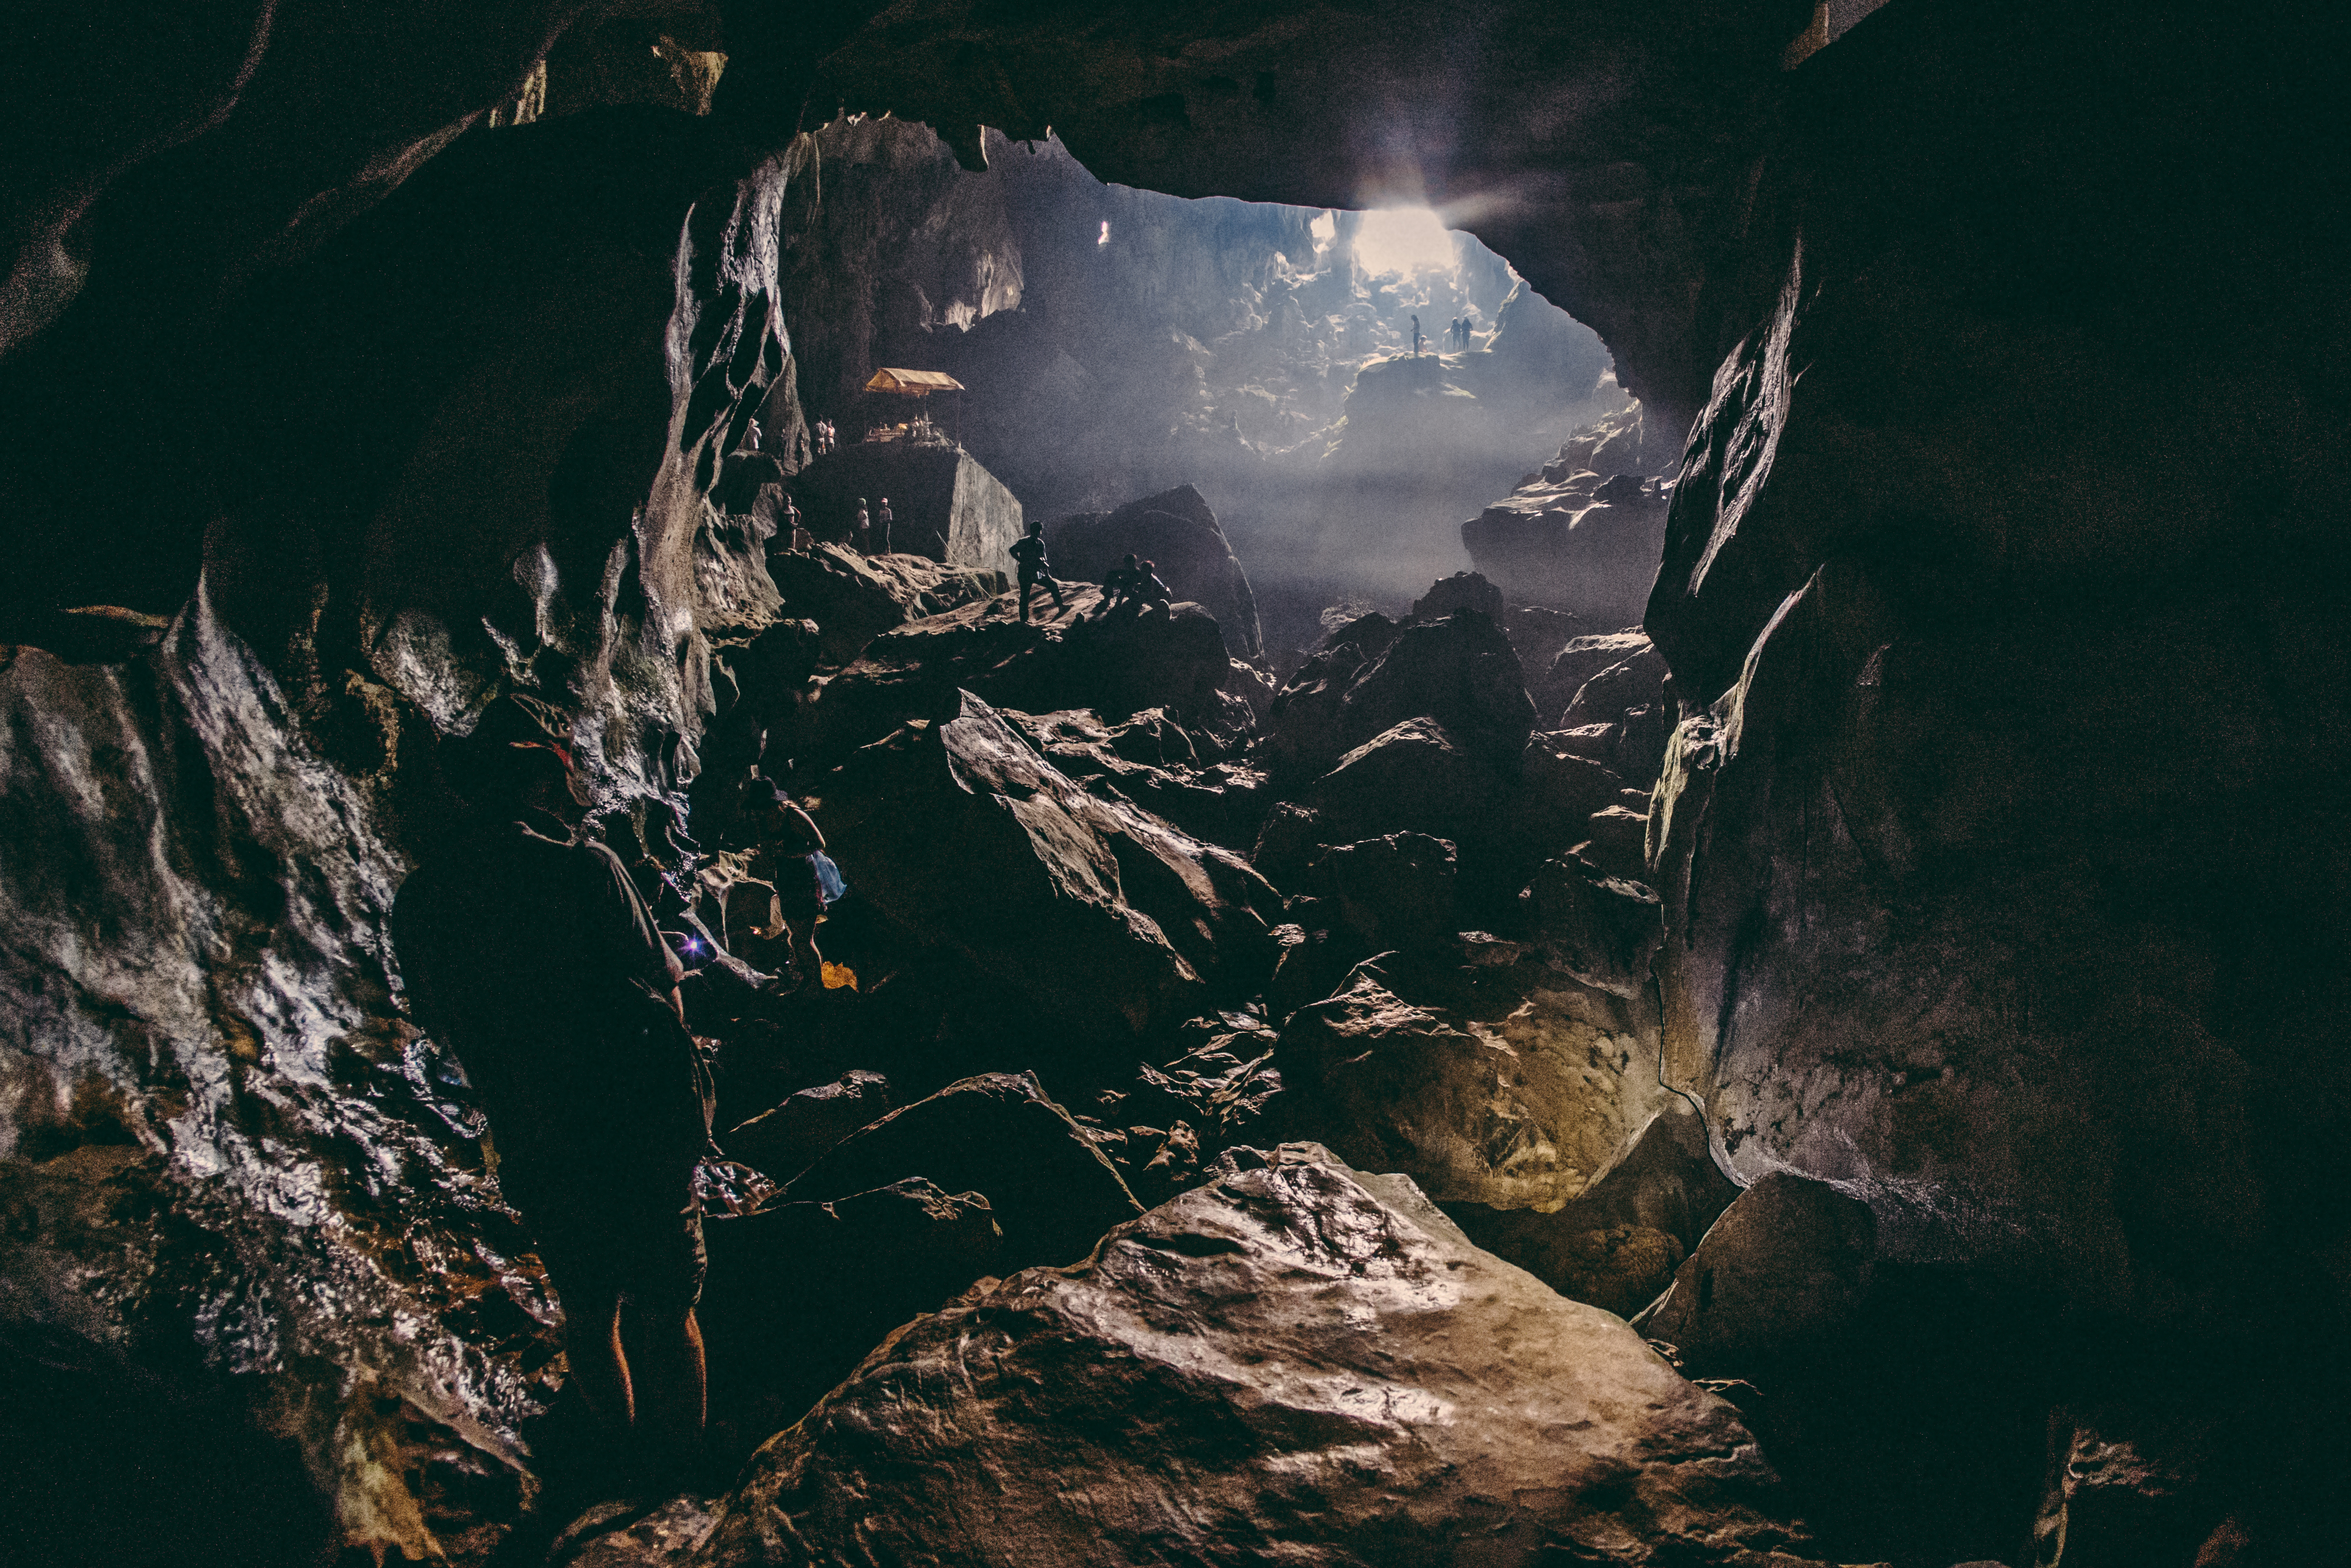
1104,919
1298,1361
1117,666
1584,532
1178,530
1515,1088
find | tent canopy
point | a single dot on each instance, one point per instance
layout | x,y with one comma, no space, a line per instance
912,383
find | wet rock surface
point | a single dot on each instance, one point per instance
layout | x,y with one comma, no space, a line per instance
1105,918
1295,1360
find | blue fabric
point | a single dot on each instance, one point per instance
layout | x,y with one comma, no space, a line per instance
827,877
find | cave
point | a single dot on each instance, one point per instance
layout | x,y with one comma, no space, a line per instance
1642,959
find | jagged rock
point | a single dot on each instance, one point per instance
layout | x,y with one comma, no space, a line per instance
1617,1244
1178,530
800,1291
1051,1192
1313,964
1557,539
1118,667
1272,1366
1462,591
854,599
785,1141
1603,930
1103,917
1541,633
622,1534
1459,671
1581,658
1414,778
1155,763
1782,1272
1520,1097
1558,792
1615,849
1390,891
1638,680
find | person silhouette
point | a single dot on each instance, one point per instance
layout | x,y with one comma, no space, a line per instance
1415,337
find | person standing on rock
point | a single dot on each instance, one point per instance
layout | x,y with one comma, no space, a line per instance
795,534
790,856
1029,557
864,529
884,520
525,948
1415,337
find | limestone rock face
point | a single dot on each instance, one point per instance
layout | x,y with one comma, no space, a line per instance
1519,1096
943,502
1178,530
1158,764
210,1102
1104,917
1297,1361
854,599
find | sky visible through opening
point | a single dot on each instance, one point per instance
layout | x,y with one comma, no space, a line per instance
1403,239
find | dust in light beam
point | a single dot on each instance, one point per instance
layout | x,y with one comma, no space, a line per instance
1403,239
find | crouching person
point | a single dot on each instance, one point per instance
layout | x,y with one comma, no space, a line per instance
525,947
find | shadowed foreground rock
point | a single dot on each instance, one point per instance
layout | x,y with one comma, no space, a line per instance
1297,1363
1099,913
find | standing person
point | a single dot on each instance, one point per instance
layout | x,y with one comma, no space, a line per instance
1469,329
790,856
525,948
795,535
1415,337
883,518
1028,556
864,529
751,437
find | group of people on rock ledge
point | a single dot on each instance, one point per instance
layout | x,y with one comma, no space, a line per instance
1133,586
527,949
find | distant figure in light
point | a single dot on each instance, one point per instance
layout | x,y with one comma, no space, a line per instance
883,518
1415,337
1029,557
864,529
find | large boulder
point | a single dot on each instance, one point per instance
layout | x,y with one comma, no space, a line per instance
1462,591
1178,530
1118,667
1052,1193
1296,1364
800,1291
854,598
1158,764
1416,776
1396,891
786,1140
1581,658
1783,1272
1517,1096
1460,671
1098,915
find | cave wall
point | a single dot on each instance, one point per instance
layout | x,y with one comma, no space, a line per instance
2003,886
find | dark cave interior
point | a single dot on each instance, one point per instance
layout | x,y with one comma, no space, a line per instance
1650,961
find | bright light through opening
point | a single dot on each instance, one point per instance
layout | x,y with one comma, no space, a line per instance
1325,229
1105,234
1403,239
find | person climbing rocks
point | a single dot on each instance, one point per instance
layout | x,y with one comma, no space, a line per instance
864,529
788,854
1029,558
1149,590
883,517
1119,584
525,949
1415,337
